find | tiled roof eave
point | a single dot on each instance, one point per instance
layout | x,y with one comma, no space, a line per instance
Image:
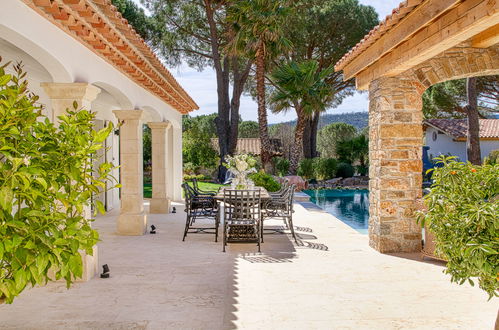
100,27
398,14
457,128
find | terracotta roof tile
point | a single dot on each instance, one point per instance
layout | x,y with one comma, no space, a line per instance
458,128
250,145
404,8
98,25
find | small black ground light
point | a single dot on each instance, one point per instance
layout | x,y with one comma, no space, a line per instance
105,271
153,229
174,210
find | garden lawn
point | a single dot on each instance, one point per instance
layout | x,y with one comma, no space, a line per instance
202,186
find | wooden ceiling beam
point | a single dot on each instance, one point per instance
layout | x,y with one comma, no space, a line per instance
461,23
487,38
404,29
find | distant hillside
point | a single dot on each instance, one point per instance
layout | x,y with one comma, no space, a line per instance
357,119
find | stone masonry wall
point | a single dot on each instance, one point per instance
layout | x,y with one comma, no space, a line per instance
396,139
395,172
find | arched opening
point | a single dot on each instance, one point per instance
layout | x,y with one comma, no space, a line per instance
150,115
446,118
107,100
56,70
36,72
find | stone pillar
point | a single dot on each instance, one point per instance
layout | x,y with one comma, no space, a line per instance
177,163
160,202
62,97
170,165
395,164
132,219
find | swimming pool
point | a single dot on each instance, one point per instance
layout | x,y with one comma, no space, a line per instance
350,206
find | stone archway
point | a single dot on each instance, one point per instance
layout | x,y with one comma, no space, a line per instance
396,141
422,43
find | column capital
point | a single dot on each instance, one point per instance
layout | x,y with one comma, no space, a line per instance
158,125
71,91
128,114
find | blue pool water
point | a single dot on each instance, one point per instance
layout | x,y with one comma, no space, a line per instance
350,206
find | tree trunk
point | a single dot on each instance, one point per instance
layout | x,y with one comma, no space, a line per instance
297,145
222,73
310,136
473,137
227,122
313,134
266,147
307,138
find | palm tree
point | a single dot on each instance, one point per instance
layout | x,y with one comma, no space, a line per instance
258,27
300,85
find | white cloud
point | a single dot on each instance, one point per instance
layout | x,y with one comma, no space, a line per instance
203,88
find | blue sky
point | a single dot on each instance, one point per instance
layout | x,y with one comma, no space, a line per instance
202,85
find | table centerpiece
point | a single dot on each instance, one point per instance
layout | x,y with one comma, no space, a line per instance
240,166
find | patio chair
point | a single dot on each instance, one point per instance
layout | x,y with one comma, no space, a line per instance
280,207
280,192
200,191
196,207
242,216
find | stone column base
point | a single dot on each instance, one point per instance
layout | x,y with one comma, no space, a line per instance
159,205
132,224
90,265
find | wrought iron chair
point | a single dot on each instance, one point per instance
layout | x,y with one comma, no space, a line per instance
199,206
242,216
280,192
280,207
200,191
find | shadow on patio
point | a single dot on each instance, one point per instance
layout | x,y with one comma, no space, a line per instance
330,279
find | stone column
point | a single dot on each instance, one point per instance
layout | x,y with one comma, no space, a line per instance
395,164
132,219
62,97
160,202
170,165
177,165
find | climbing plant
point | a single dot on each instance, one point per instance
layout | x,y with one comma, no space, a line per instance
46,184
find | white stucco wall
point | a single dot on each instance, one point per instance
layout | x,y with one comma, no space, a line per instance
445,145
55,56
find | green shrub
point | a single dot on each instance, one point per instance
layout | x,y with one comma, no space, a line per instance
325,168
306,168
190,168
199,177
47,180
462,209
492,158
281,166
362,170
345,170
265,180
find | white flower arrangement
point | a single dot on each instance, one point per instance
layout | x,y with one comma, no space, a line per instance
241,165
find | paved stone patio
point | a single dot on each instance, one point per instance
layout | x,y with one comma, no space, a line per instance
331,280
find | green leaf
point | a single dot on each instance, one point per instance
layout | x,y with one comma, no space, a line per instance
5,79
101,135
20,279
42,182
100,207
6,197
30,245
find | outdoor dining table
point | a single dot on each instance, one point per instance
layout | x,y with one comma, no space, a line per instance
264,194
243,234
